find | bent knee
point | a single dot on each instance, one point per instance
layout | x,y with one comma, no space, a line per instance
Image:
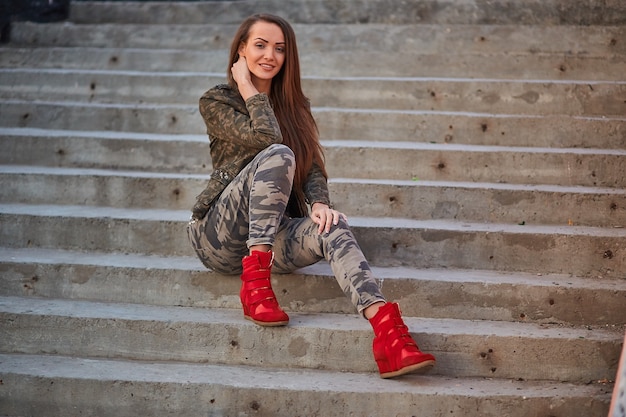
340,229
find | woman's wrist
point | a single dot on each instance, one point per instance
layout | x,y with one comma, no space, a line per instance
247,89
314,205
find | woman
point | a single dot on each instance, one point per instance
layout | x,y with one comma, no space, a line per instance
268,169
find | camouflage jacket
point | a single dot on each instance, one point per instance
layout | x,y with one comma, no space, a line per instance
237,131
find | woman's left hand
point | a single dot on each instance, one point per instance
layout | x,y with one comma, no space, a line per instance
324,216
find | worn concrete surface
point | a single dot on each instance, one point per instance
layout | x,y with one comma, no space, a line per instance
319,341
419,125
349,38
415,198
523,66
437,293
584,251
484,12
95,387
532,97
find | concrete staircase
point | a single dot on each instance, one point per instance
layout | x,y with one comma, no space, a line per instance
478,150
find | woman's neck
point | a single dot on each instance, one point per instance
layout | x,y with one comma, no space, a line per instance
264,86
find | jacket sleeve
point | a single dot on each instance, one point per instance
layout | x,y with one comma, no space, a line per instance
316,187
252,124
237,131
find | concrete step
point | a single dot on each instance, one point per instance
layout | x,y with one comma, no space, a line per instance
415,199
578,250
319,38
423,125
435,293
566,97
103,388
545,12
404,161
105,149
447,162
89,147
480,202
312,341
472,128
521,66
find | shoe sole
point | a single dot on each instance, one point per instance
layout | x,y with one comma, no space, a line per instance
267,323
417,368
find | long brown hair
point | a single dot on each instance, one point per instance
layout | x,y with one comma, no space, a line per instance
291,106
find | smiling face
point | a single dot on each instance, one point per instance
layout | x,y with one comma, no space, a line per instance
264,52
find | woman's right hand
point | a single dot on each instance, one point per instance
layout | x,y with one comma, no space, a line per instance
241,73
325,217
243,78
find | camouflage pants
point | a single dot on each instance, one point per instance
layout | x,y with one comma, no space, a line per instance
250,212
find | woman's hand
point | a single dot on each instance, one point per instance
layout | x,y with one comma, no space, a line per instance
243,78
324,216
241,73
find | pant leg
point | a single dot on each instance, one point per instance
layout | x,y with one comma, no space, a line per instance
248,212
298,244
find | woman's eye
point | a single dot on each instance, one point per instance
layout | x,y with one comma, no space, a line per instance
280,50
259,45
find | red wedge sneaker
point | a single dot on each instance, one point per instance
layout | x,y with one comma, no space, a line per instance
395,351
257,297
